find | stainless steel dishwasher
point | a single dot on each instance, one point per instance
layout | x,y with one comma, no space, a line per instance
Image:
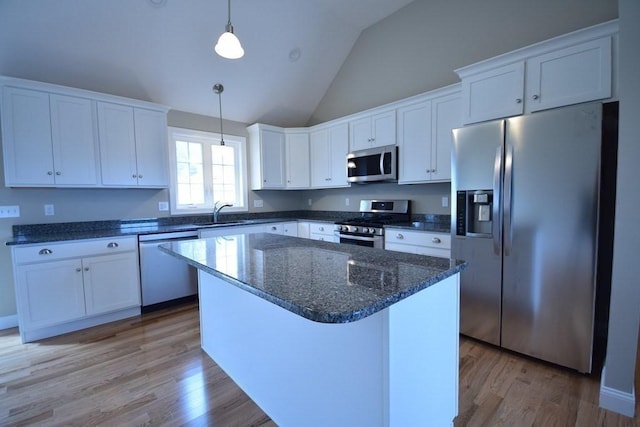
163,278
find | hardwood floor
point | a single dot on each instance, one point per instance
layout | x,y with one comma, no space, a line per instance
151,371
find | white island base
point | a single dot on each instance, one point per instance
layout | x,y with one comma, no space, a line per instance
397,367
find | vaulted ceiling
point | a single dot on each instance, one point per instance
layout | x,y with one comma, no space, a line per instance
162,50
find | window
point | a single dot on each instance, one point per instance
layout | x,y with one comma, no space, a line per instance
204,172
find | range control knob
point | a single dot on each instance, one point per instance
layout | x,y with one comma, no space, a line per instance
354,229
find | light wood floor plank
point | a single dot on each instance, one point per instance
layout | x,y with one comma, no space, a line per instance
150,371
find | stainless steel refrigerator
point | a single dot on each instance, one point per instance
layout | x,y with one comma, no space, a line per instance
525,217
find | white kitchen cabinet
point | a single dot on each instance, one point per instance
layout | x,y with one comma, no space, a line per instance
288,228
569,69
418,242
267,154
297,159
304,229
322,231
425,137
66,286
375,129
328,158
133,144
48,140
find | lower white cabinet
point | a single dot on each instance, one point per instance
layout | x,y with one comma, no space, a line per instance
288,228
418,242
322,231
66,286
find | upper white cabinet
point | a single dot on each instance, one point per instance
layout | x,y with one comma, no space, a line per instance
329,148
133,145
267,151
569,69
297,159
425,137
48,139
55,136
376,129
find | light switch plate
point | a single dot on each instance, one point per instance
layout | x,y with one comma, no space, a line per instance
163,206
9,211
258,203
445,202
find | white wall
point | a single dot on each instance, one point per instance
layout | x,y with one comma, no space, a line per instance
617,388
417,48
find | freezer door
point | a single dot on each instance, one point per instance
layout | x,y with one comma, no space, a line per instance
474,156
550,246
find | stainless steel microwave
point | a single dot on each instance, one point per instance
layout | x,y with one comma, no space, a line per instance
373,164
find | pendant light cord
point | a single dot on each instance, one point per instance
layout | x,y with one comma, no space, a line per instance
229,12
221,133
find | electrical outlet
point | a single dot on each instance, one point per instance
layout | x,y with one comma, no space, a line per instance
9,211
445,202
258,203
346,201
310,202
49,210
163,206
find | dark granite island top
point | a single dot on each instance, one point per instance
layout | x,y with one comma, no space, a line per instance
321,281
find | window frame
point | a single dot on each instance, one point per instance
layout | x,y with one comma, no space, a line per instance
207,139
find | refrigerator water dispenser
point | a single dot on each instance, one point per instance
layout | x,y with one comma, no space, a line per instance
474,213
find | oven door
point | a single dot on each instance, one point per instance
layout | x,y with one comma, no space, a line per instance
367,241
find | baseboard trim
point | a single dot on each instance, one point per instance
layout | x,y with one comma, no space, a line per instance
7,322
615,400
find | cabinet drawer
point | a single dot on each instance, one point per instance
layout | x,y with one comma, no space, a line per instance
72,249
321,228
421,238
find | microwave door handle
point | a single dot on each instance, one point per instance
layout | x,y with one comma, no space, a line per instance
382,163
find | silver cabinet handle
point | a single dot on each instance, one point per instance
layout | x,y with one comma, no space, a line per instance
399,236
45,251
436,240
518,101
112,245
536,97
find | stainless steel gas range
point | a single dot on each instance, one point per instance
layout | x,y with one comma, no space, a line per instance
368,228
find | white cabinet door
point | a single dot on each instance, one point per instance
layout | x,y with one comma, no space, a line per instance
414,143
151,148
49,293
26,137
272,158
446,116
496,93
74,141
290,228
360,134
571,75
383,129
116,132
297,160
329,148
110,282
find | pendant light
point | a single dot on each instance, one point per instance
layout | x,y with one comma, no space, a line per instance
218,88
228,45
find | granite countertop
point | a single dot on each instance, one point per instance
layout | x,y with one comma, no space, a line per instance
321,281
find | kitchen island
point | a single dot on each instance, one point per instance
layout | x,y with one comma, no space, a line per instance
320,333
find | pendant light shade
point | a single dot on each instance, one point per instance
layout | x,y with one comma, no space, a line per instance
228,45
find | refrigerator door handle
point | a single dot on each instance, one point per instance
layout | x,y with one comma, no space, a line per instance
496,229
508,177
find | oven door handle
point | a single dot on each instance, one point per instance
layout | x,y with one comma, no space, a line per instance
361,238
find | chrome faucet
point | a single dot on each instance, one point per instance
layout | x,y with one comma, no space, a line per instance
217,209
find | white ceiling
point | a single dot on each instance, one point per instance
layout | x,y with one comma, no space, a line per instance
162,50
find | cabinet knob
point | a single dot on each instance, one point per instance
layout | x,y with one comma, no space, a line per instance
518,100
327,179
399,236
264,180
86,269
112,245
140,176
49,172
274,228
134,176
58,173
78,270
536,97
321,228
436,240
45,251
